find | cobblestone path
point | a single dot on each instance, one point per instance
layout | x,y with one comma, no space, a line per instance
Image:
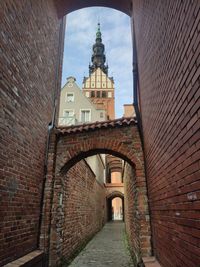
107,248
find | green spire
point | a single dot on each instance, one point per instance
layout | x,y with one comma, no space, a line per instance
98,34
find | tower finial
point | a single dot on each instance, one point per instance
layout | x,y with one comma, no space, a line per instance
98,57
98,34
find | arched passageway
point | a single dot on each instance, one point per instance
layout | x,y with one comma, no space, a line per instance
72,145
115,206
114,169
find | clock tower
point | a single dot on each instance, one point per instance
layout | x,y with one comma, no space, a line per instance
98,86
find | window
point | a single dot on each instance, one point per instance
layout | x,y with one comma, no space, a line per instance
98,94
109,94
93,94
70,97
85,115
104,94
68,113
101,114
68,117
87,94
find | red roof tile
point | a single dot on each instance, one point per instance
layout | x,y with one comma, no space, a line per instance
96,125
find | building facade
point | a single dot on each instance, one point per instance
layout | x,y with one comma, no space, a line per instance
99,87
129,110
75,108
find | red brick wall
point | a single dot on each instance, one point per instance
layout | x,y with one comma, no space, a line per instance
136,215
65,150
125,141
84,207
167,36
168,47
29,57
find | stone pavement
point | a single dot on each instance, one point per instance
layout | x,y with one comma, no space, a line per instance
107,248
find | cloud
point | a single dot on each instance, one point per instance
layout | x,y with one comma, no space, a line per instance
116,34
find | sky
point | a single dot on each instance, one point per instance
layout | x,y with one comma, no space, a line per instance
116,35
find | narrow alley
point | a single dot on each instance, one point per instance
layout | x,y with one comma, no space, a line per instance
108,248
100,133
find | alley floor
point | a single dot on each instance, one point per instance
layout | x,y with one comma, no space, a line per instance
107,248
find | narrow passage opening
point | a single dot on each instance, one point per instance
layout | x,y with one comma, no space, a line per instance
90,202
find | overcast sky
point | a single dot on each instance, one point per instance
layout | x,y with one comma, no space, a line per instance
116,35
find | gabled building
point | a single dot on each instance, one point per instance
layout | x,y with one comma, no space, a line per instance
75,108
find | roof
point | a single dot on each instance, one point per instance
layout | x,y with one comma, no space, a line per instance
96,125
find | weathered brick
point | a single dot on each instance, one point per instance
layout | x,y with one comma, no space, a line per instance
167,35
29,61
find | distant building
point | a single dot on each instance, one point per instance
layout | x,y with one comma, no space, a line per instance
75,108
98,86
129,110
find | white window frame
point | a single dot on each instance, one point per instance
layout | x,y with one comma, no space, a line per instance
85,109
67,120
87,94
109,94
72,93
68,109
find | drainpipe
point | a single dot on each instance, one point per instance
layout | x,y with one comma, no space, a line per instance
50,128
135,82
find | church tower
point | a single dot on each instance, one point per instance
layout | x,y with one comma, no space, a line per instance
98,86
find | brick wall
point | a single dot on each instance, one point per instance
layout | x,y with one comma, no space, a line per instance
121,140
168,41
168,47
74,208
136,215
84,207
29,58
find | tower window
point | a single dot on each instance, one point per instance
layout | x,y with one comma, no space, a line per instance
109,94
87,94
98,94
104,94
93,94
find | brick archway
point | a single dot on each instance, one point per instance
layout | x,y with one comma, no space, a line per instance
119,138
115,194
69,145
65,7
109,198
